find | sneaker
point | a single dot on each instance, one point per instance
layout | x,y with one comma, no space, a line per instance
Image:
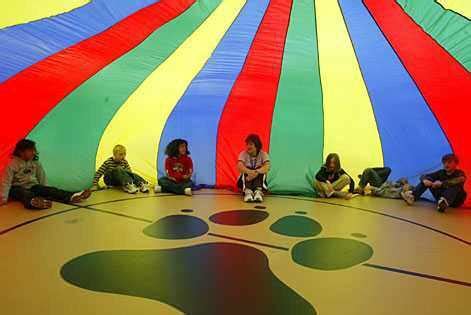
130,188
442,205
41,203
258,196
248,197
408,197
144,188
330,193
157,189
80,196
188,191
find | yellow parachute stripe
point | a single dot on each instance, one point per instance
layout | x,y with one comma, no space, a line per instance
349,121
462,7
140,121
13,12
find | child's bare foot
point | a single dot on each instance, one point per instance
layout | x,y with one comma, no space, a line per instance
348,196
80,196
41,203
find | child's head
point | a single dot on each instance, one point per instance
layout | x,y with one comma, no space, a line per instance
450,162
176,148
332,162
253,144
26,150
119,152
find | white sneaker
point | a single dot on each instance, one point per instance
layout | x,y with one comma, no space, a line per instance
157,189
248,197
188,191
442,204
258,196
408,197
130,188
144,188
80,196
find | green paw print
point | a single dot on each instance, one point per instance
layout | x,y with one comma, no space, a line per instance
215,278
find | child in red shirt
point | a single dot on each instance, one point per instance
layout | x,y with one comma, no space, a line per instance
179,169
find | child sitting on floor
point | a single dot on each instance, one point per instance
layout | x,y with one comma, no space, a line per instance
374,177
446,185
24,180
179,169
331,179
253,165
117,172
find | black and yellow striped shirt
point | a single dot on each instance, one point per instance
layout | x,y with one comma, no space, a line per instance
108,165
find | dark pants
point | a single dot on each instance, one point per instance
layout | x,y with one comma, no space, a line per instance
50,193
455,195
375,176
258,183
119,177
169,186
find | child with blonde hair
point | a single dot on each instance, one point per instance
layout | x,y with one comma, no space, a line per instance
117,172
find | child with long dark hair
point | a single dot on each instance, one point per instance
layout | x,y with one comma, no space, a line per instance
331,179
253,165
24,180
179,169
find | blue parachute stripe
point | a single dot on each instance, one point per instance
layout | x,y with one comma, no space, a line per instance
412,139
196,116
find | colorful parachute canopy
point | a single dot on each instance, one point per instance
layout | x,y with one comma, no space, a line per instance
381,82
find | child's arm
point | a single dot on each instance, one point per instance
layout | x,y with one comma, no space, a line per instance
190,169
99,173
455,181
265,168
171,174
430,177
321,175
245,170
127,167
5,185
41,174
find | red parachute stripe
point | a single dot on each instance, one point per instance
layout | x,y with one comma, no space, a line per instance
254,93
444,83
27,97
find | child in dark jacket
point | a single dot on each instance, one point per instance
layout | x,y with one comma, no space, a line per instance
179,169
24,180
446,185
331,179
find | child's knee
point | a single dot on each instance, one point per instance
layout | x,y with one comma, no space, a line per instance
345,178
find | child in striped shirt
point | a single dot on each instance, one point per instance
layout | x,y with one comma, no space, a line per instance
117,172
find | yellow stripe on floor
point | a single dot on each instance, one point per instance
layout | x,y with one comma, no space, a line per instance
13,12
462,7
349,121
139,123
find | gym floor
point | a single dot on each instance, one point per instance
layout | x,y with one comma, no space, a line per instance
214,254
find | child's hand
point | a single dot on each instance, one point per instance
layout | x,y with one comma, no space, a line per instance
427,183
437,184
252,173
96,187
